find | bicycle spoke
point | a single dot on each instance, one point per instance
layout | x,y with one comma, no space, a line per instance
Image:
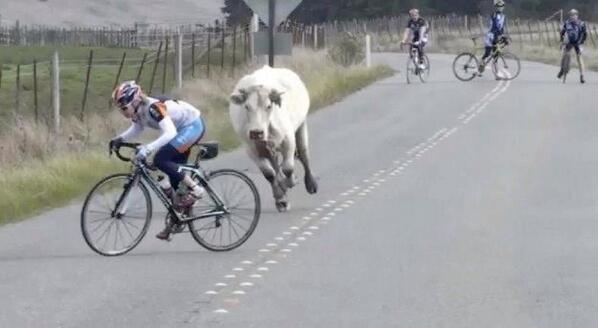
131,224
98,227
128,231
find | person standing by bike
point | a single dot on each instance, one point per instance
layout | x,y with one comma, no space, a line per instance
418,28
498,23
576,32
181,127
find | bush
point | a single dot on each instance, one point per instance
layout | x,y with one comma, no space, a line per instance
347,50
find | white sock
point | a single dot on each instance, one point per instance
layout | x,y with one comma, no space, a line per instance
197,191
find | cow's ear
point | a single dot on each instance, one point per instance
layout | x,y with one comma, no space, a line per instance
239,98
275,97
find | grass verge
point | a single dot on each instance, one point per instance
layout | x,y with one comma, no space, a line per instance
41,171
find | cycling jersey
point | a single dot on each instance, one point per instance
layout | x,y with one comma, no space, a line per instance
418,29
168,116
576,32
498,23
151,113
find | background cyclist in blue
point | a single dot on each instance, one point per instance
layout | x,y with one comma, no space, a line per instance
498,23
575,30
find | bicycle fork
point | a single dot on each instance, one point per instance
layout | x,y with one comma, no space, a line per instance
122,205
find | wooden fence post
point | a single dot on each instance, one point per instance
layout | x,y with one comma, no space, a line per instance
138,77
56,91
179,61
209,51
117,79
35,103
223,44
84,102
193,55
18,91
165,65
234,63
151,88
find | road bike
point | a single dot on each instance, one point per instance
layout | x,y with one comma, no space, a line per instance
117,212
505,65
413,65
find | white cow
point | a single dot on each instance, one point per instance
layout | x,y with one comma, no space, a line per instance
268,110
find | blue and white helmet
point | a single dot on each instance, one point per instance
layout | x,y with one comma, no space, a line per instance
125,94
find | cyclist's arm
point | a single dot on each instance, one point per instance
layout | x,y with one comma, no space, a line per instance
584,34
159,113
405,35
133,131
168,133
563,31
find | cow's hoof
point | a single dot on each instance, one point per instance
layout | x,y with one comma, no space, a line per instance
311,185
283,206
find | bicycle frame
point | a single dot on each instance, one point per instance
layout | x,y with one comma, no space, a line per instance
142,175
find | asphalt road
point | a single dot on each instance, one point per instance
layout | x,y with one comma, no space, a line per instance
447,204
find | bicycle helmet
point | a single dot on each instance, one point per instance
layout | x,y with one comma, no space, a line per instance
499,5
125,94
573,12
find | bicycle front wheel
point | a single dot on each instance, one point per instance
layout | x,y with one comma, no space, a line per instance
506,66
242,201
110,231
466,67
424,74
410,70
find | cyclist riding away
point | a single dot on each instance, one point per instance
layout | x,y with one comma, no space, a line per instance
418,28
181,127
498,23
575,30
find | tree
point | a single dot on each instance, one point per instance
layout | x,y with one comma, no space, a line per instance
237,12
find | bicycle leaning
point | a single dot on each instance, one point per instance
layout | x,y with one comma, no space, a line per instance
505,65
414,67
117,212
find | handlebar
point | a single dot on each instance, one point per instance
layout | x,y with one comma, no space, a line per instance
116,150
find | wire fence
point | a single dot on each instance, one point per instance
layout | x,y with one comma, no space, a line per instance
87,77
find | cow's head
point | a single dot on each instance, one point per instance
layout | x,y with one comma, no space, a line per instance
259,103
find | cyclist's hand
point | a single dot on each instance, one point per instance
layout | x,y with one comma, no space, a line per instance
142,154
114,144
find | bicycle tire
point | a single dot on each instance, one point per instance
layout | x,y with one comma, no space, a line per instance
470,60
199,225
423,76
507,60
410,69
85,225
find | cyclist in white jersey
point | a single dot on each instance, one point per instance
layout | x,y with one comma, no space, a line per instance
181,127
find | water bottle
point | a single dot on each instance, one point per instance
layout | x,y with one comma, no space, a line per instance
165,186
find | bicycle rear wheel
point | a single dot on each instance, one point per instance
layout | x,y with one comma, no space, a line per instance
241,198
466,67
109,232
506,66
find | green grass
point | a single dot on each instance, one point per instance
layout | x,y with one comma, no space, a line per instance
51,183
41,171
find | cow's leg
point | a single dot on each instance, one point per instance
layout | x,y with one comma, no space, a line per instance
303,153
288,162
270,174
